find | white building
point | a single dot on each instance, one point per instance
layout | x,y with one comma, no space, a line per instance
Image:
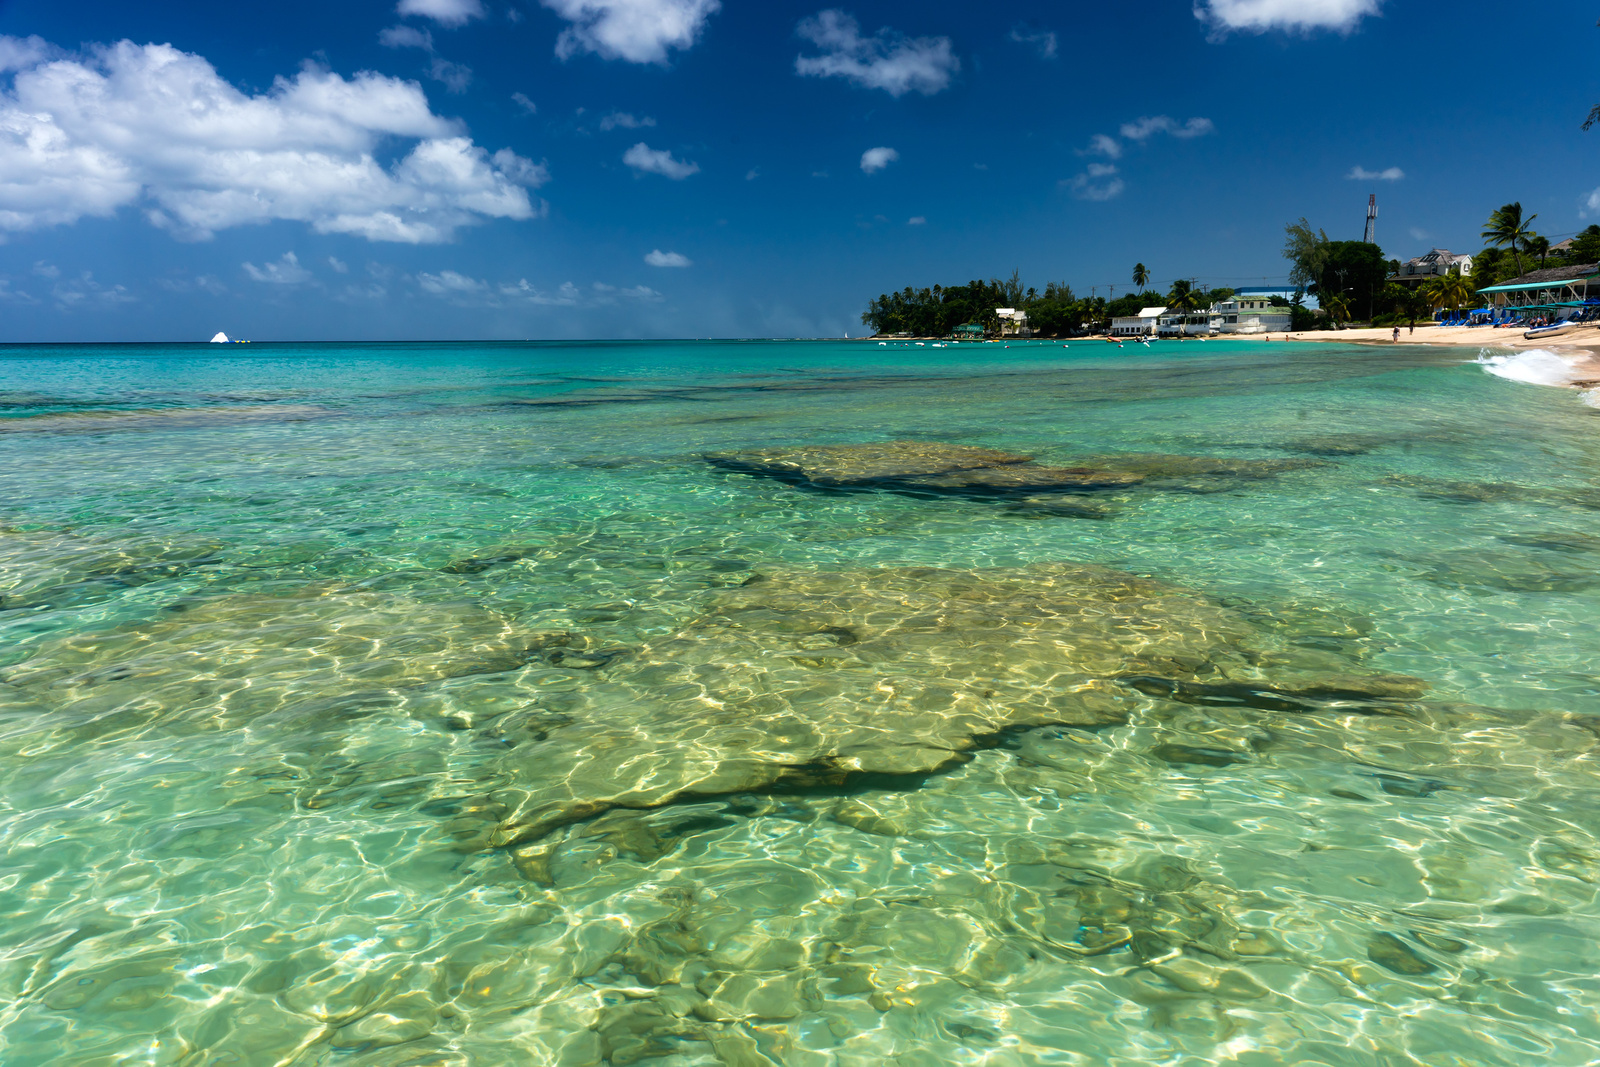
1437,262
1140,325
1251,314
1013,322
1187,324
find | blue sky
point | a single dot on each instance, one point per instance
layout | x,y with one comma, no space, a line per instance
683,168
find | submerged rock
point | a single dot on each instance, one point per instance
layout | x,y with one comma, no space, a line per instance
800,675
915,465
923,468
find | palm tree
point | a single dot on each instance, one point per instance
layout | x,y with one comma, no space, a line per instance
1337,307
1507,227
1141,275
1457,290
1539,246
1182,295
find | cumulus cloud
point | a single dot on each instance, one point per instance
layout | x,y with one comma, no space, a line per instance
283,271
445,12
339,265
1143,129
1043,40
875,159
1591,205
888,60
639,31
641,157
1098,182
1292,16
658,258
1362,174
152,126
522,101
623,120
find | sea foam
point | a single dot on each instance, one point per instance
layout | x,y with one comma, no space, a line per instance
1535,366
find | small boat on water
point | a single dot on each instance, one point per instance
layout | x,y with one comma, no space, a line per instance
1555,329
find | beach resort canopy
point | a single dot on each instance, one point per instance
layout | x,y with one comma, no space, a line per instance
1533,286
1542,288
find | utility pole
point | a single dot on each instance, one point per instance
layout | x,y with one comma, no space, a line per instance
1371,235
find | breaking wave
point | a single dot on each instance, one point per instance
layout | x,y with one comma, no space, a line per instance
1535,366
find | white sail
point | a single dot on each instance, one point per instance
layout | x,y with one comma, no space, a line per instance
220,339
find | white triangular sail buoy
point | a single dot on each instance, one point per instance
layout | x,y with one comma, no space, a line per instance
220,339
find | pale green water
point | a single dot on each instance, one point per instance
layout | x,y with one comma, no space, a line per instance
355,710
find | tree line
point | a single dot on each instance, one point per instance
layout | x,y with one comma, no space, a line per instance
1352,279
1054,312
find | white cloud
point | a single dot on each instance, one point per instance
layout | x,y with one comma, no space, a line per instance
453,76
610,294
1293,16
284,271
204,283
15,296
1043,40
917,220
1103,145
1361,174
1098,182
465,291
85,292
46,270
889,60
444,12
339,265
658,258
1143,129
752,174
405,37
156,127
522,101
623,120
639,31
1591,205
448,282
20,53
643,158
875,159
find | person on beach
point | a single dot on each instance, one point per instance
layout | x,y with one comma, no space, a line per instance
1396,338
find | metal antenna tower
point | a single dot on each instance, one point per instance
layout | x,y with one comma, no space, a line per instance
1371,236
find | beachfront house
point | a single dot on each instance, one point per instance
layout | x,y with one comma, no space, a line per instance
1140,325
1013,322
1554,292
1251,314
1187,324
1436,263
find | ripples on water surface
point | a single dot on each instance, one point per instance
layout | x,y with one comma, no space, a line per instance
444,705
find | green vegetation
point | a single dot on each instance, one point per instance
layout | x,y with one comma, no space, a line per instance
1350,278
936,312
1506,226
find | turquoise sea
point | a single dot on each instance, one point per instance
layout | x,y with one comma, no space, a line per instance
445,704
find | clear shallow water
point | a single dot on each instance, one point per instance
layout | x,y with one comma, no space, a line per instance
442,705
